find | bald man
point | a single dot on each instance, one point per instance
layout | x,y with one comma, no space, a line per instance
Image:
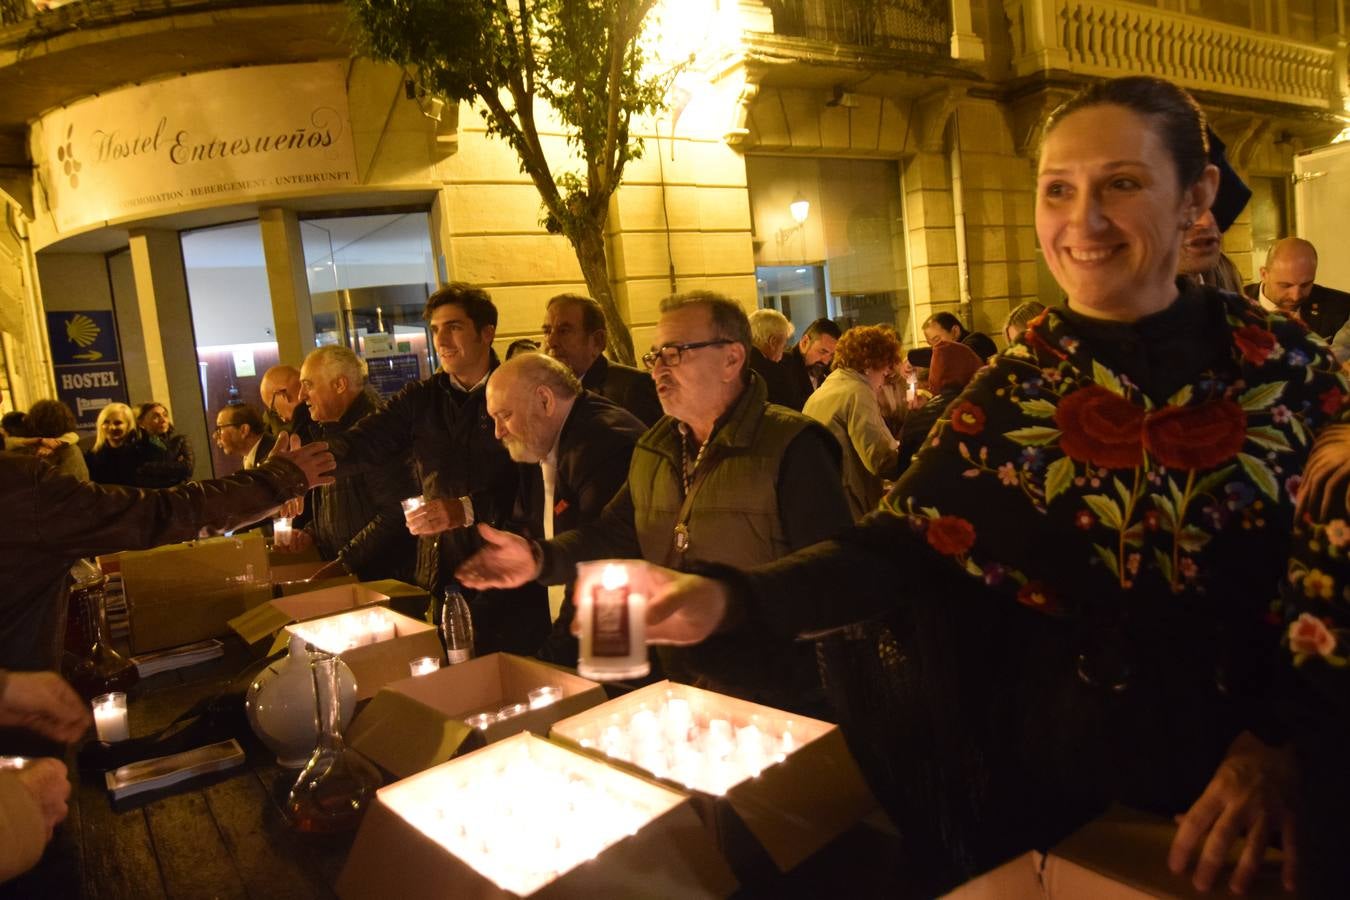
285,410
1288,285
582,444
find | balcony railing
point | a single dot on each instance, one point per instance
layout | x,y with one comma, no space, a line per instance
1099,37
915,25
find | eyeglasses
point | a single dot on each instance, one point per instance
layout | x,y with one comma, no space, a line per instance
219,428
670,355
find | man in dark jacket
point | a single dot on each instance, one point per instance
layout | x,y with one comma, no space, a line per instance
575,335
1288,285
466,475
357,523
582,444
726,477
52,520
805,366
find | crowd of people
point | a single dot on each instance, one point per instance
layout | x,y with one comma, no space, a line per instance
1108,563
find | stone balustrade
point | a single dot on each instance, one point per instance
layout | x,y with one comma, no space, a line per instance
1104,38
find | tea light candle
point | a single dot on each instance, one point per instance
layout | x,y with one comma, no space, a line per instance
110,717
381,628
281,530
481,721
411,504
511,711
13,763
424,665
543,696
912,391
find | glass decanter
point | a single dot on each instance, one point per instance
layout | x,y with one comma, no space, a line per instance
337,784
92,666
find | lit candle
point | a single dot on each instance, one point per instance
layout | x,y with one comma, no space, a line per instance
511,711
281,531
424,665
13,763
110,717
543,696
381,627
912,391
412,504
481,721
613,622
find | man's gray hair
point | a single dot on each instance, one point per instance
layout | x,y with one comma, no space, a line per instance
336,361
729,319
535,369
768,326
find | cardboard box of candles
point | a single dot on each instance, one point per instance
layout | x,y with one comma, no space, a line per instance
767,783
376,643
424,720
181,593
527,818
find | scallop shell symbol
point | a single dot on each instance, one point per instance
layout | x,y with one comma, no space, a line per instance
82,330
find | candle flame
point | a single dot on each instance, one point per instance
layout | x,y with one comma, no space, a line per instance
614,576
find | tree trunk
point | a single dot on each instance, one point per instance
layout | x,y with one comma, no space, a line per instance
589,243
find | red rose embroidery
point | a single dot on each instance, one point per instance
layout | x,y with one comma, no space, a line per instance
1332,401
1196,437
967,418
1101,428
1310,634
951,535
1255,342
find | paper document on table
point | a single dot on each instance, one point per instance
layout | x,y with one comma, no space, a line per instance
178,657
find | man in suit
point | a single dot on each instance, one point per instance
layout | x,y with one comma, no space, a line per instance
1288,285
240,432
574,334
805,366
582,444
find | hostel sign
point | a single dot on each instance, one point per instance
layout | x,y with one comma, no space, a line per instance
199,140
87,362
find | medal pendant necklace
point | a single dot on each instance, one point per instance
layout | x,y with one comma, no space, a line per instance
687,473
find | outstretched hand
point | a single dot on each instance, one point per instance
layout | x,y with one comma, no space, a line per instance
313,458
1248,799
42,702
505,561
683,609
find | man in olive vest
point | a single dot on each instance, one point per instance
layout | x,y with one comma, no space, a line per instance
726,478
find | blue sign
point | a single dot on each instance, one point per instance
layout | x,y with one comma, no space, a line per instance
86,361
81,338
388,374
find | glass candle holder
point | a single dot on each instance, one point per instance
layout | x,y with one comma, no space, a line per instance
512,710
424,665
281,531
481,721
612,613
412,504
110,717
543,696
13,763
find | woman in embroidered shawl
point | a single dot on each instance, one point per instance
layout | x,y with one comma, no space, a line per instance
1075,577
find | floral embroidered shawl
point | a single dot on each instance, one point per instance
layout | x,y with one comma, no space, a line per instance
1058,481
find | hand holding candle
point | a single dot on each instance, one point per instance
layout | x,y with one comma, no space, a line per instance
611,603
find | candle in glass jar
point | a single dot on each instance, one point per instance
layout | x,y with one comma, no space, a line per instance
424,665
511,711
543,696
281,531
381,627
613,619
912,391
110,717
481,721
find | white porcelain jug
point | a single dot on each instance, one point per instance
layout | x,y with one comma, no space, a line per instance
281,706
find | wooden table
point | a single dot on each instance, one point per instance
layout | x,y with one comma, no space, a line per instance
225,837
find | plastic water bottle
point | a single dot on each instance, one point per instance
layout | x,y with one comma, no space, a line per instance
456,628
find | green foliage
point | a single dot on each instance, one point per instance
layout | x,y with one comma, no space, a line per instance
581,57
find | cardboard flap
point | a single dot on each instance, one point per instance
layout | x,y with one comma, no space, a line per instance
404,736
794,816
259,622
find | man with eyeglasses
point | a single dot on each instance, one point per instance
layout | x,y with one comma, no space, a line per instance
239,432
575,335
725,478
285,409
